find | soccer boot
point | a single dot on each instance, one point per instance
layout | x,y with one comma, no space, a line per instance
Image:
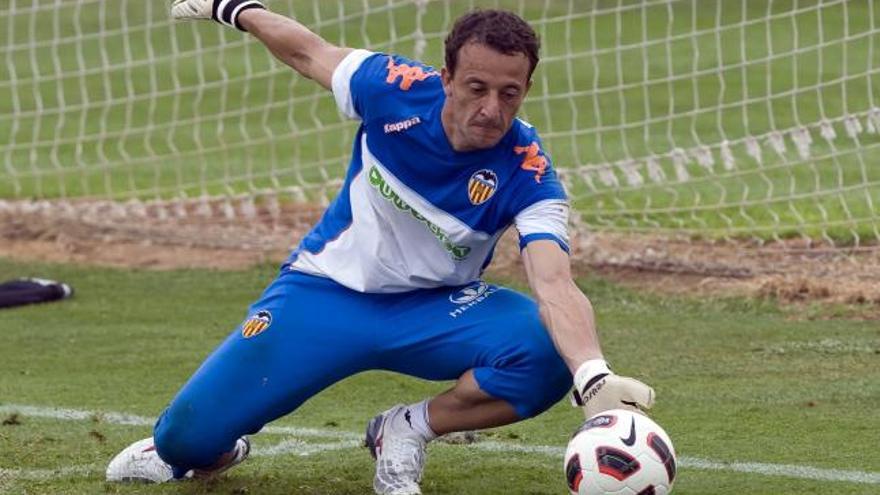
140,462
399,452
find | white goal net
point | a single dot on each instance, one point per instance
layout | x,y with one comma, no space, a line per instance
702,118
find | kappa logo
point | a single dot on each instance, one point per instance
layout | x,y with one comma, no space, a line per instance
482,186
402,125
256,324
533,161
469,296
408,74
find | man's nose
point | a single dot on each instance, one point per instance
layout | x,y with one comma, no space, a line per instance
491,107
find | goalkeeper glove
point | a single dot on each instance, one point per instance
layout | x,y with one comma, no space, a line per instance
223,11
597,389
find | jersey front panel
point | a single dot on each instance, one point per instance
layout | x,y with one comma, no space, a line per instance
413,213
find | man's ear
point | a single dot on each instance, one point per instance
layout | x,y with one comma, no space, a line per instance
446,79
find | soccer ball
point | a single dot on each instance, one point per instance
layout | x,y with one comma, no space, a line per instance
620,452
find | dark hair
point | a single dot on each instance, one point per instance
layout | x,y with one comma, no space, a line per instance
500,30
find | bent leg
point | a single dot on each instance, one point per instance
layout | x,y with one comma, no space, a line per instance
467,407
295,343
495,345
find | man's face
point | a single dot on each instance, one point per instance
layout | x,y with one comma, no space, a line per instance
483,96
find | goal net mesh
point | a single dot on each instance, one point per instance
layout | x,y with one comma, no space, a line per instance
701,119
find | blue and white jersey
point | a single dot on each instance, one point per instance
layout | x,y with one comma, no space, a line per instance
413,213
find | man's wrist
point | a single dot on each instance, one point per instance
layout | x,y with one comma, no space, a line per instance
588,380
228,12
249,20
589,371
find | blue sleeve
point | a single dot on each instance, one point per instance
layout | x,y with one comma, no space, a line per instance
542,209
366,84
538,179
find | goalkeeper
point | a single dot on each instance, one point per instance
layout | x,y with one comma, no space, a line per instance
389,278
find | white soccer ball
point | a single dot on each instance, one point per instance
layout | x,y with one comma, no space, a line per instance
620,452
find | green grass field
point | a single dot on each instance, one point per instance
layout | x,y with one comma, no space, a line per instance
108,99
111,100
755,400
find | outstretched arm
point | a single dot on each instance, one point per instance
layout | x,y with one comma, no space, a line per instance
290,41
293,44
565,310
568,316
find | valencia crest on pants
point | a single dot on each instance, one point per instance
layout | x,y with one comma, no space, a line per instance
256,324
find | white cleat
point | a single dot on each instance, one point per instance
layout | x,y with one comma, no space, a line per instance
139,462
399,452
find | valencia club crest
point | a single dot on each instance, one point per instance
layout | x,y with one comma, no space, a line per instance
482,186
256,324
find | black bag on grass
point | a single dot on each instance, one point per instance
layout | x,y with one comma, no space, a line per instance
32,290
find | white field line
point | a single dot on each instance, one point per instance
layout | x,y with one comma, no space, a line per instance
350,440
304,449
48,474
787,470
286,447
131,419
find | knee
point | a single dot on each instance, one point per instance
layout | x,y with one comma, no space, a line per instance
183,441
551,381
542,378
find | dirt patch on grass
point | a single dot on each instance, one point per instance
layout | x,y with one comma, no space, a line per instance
236,235
221,235
796,273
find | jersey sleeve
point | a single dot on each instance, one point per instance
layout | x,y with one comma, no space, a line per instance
344,90
543,209
546,219
367,84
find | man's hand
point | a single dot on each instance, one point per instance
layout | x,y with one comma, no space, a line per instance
223,11
597,389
